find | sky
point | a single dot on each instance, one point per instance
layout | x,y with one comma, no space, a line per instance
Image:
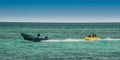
59,10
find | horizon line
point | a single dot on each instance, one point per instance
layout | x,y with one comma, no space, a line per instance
51,22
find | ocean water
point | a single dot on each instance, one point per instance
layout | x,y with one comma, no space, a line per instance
65,41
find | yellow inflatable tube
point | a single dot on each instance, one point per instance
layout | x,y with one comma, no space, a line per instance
91,38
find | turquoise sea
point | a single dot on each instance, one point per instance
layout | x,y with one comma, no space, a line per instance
65,41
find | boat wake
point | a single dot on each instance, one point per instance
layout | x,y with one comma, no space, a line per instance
109,39
77,40
65,40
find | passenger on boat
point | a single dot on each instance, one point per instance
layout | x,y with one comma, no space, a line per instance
91,37
94,35
38,35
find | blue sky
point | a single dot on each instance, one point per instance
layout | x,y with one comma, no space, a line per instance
59,11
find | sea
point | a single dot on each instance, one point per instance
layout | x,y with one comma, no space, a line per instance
66,41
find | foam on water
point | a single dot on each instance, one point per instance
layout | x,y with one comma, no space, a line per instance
109,39
77,40
65,40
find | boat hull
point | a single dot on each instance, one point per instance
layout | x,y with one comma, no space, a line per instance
32,38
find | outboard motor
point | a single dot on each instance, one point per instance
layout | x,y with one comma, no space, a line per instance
46,37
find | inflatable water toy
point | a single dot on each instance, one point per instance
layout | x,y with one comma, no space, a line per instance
91,38
32,38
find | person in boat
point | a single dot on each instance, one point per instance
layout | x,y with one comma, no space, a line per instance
89,36
38,35
94,35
